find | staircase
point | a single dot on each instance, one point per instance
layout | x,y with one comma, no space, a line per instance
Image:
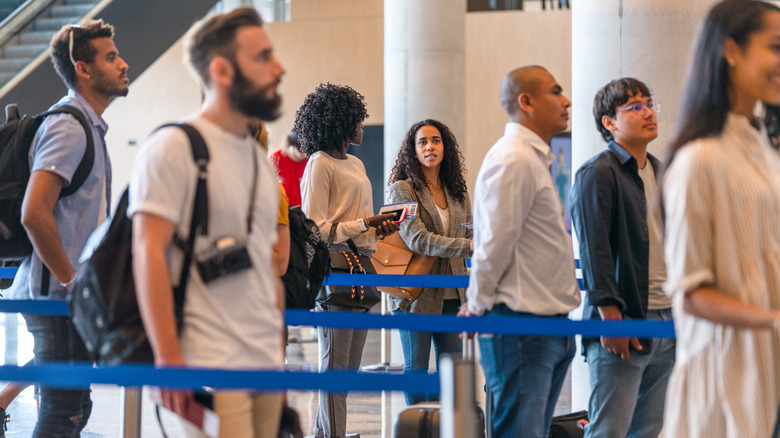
145,29
34,37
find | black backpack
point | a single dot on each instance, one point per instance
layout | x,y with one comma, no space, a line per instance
16,136
102,301
309,262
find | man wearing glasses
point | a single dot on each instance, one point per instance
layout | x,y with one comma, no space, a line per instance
622,259
87,60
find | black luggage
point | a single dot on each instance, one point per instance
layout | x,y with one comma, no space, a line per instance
569,425
422,420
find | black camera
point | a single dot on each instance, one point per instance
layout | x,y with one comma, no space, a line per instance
226,257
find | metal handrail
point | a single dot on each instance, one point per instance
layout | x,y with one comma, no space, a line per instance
38,60
21,17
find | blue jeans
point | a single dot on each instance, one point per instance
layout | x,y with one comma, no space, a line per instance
63,413
525,375
417,349
627,397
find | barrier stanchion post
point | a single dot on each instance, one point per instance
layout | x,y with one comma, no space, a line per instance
458,401
384,346
131,412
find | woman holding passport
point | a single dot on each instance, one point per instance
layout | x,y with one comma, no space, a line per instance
336,195
429,171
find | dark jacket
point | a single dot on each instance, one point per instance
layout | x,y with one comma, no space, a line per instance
609,213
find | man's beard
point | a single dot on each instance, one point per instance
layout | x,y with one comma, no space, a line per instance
252,101
107,87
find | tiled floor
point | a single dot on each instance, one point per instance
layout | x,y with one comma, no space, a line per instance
370,414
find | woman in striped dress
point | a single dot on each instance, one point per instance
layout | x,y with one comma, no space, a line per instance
721,199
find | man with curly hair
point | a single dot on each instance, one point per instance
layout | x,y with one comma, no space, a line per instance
523,263
87,60
235,320
336,195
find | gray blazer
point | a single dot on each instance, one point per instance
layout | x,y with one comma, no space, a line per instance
425,235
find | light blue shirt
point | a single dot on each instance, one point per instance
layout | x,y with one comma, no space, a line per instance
58,148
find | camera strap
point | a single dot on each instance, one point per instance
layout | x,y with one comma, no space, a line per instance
252,192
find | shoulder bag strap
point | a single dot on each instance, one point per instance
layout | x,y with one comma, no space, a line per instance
200,155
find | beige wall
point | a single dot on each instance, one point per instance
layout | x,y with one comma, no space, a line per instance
497,43
165,92
341,41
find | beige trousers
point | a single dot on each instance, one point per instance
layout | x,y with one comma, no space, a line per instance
244,415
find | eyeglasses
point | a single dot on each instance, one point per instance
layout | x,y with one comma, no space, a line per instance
70,43
640,107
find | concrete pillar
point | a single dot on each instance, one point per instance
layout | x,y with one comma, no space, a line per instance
424,68
651,40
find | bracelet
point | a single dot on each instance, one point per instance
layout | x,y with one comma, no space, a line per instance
365,223
67,285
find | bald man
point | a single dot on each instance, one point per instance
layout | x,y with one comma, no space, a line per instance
523,263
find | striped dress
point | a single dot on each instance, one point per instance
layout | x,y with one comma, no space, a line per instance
722,201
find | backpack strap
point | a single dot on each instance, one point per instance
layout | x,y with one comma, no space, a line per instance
79,177
200,155
200,209
87,161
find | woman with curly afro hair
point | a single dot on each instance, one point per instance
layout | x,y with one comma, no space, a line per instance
336,195
429,170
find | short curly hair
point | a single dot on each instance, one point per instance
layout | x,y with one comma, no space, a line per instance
408,167
328,118
83,50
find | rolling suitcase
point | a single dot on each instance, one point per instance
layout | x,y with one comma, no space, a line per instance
422,420
569,425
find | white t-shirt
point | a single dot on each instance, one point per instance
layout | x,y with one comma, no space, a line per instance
656,298
233,322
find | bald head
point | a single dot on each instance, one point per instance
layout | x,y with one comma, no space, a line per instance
521,80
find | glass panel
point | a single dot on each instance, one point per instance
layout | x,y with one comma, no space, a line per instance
516,5
7,7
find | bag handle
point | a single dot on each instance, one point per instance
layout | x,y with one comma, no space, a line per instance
332,235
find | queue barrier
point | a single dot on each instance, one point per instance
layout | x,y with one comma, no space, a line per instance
64,375
131,377
432,323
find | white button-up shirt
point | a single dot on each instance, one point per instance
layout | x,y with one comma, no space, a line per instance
522,252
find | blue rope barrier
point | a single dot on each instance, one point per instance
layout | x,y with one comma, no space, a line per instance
429,323
397,280
8,272
499,325
404,280
82,375
35,307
